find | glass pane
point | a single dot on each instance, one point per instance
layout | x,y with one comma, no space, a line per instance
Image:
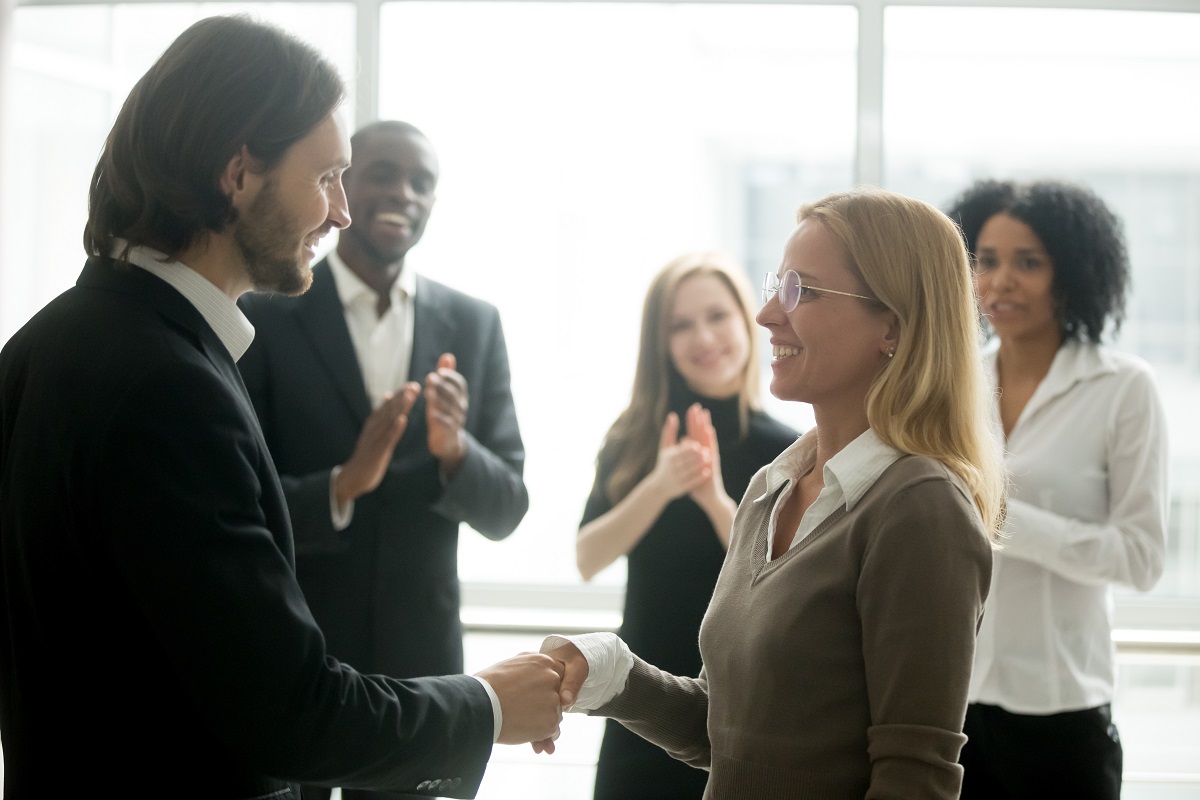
71,70
1092,96
580,151
1157,711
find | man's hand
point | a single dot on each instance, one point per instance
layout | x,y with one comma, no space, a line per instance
575,672
446,413
528,687
376,442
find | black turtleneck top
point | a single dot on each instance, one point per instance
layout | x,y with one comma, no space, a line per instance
674,567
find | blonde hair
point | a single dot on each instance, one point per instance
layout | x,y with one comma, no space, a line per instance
631,445
931,399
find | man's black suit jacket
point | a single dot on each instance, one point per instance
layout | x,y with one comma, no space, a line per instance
153,637
385,590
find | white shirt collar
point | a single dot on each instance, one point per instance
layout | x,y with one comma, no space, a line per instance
1074,362
350,287
854,469
218,309
860,464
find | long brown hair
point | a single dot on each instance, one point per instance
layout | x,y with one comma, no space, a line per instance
631,445
225,83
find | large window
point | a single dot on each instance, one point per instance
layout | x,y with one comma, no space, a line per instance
584,144
1093,96
1097,97
71,69
582,150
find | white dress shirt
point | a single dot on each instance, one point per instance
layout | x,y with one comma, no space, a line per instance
219,310
382,345
848,475
1087,507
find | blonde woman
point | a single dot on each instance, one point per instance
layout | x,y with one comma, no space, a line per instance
837,647
689,441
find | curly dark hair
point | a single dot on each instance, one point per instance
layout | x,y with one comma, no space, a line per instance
1083,238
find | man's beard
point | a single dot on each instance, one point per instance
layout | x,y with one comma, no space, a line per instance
270,246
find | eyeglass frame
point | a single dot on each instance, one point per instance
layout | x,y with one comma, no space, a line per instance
772,284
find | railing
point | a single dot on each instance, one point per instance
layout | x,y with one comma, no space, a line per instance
1142,628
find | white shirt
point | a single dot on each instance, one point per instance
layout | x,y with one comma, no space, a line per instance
219,310
382,345
848,475
1087,507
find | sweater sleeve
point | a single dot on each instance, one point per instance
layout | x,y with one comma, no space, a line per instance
665,710
924,579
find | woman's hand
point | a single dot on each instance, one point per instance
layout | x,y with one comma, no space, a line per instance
710,495
700,430
683,465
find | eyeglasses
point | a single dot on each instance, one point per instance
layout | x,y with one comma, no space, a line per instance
789,290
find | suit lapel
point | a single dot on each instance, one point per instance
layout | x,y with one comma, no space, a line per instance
324,324
433,329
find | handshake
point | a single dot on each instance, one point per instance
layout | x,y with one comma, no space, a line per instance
534,688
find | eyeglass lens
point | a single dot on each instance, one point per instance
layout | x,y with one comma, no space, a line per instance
788,289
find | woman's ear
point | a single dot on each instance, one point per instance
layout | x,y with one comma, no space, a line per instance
891,339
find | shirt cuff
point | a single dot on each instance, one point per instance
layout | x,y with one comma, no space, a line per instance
341,516
609,664
497,714
1030,532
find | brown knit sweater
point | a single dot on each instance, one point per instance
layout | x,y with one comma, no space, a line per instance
840,669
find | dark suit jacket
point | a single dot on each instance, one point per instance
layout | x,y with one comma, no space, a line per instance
153,636
385,590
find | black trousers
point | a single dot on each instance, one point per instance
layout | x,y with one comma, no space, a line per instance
1075,754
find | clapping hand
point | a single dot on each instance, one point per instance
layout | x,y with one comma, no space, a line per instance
376,442
700,430
446,403
683,465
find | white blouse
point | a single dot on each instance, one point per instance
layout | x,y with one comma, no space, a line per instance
1087,507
